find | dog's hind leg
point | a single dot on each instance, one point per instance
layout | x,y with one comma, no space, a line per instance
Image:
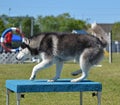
59,66
84,65
89,58
43,64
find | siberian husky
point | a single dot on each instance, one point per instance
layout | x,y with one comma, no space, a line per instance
55,48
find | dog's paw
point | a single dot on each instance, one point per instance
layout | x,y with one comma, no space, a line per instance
32,78
75,80
50,80
53,79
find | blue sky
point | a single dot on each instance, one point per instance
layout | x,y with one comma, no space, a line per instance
100,11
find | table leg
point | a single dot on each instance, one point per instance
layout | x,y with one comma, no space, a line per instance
7,96
81,98
99,98
18,96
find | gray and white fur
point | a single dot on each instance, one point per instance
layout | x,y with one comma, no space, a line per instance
55,48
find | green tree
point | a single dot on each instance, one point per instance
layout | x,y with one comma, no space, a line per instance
61,23
13,22
48,23
26,26
2,26
116,31
36,29
67,23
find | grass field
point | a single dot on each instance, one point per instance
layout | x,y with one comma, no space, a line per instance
108,74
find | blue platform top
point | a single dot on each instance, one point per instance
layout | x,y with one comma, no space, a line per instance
61,85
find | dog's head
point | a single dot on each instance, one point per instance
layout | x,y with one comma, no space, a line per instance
28,48
24,51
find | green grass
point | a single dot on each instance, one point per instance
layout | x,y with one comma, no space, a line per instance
108,74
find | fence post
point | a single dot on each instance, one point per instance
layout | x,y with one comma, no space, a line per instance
110,48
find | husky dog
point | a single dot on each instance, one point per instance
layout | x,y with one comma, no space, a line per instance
55,48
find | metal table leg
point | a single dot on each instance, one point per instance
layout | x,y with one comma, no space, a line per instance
99,97
7,96
18,96
81,98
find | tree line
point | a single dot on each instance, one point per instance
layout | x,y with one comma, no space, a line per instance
61,23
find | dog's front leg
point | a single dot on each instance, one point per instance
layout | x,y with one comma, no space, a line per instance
59,66
40,66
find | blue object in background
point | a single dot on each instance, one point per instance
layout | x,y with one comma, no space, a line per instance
16,38
82,32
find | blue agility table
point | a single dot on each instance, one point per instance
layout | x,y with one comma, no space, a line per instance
61,85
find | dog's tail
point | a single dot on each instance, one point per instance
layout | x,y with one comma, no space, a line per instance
100,34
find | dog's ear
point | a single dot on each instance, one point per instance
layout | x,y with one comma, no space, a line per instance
26,41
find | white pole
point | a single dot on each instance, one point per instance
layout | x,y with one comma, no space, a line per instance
110,48
20,27
31,26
